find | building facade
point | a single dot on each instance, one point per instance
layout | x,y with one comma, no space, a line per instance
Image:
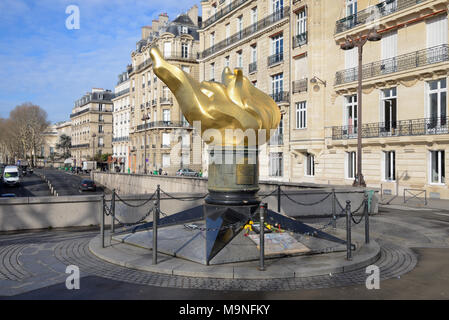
292,50
160,137
121,122
253,36
91,130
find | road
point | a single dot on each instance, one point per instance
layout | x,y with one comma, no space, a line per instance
31,186
67,184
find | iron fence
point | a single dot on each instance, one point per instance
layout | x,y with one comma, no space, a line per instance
281,96
414,127
399,63
275,58
372,13
300,40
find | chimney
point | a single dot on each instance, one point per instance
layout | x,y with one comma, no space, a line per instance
163,19
155,25
146,31
193,14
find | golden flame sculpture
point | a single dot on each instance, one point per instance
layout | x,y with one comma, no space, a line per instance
233,104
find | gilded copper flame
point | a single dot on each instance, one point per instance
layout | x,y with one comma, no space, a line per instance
233,104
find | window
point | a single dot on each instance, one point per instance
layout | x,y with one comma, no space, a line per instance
185,140
185,160
100,129
389,52
186,69
239,59
167,49
226,61
350,113
351,7
388,111
437,167
351,164
277,138
276,164
301,22
239,25
184,29
277,44
277,86
212,39
253,53
212,72
166,115
100,107
185,50
165,160
389,166
253,15
309,165
228,31
277,6
437,106
166,139
301,115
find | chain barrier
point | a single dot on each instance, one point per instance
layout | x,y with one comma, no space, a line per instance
352,212
133,205
185,198
306,204
270,194
108,212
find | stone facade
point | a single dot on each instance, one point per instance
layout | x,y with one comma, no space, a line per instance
92,126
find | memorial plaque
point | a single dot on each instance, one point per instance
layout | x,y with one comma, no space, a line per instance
279,243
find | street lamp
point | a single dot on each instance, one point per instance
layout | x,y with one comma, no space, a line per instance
350,43
93,146
145,118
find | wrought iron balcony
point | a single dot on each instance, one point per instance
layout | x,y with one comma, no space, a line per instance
300,85
179,55
275,59
252,67
300,40
248,31
121,93
164,124
120,139
78,146
281,96
223,11
166,100
415,127
372,13
400,63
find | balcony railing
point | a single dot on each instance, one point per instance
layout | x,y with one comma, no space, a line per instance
179,55
372,13
252,67
248,31
222,12
415,127
73,115
400,63
275,59
120,139
166,100
300,40
281,96
157,124
86,145
300,85
121,93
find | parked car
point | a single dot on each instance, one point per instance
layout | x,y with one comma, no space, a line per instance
11,176
87,185
8,195
187,172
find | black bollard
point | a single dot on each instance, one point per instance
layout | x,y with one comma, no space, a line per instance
348,231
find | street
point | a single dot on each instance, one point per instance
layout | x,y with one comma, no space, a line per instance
31,186
66,183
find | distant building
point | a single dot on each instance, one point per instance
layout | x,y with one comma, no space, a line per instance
91,130
121,121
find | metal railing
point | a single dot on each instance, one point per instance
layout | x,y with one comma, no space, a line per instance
399,63
300,40
415,193
248,31
252,67
414,127
222,12
156,124
179,55
120,139
76,146
166,100
281,96
372,13
121,93
73,115
275,59
300,85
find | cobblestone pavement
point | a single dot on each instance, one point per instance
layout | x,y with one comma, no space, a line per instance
30,261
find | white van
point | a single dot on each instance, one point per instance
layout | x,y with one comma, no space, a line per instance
11,176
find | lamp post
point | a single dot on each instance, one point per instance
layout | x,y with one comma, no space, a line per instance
93,146
145,117
350,43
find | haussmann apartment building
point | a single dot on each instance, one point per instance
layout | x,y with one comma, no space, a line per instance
292,51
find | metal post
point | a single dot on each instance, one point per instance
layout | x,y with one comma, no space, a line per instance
334,216
102,221
279,198
348,230
365,211
262,211
155,220
113,211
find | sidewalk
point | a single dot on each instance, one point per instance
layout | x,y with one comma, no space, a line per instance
397,202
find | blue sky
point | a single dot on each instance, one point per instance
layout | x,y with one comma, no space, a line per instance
43,62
